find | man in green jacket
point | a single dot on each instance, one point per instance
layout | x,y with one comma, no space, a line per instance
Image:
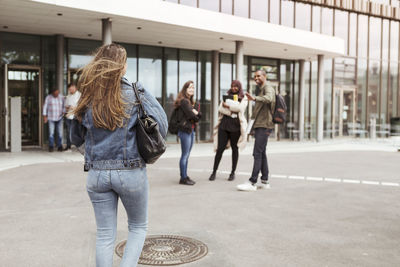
263,126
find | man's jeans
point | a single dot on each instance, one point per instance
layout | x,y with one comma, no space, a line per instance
68,123
187,140
104,188
58,127
260,154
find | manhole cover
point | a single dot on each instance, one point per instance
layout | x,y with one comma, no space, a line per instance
167,250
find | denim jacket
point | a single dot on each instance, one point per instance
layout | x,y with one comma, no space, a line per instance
111,150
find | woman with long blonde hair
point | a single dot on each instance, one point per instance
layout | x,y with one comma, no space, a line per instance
105,120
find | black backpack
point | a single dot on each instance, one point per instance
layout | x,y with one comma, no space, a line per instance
173,122
279,115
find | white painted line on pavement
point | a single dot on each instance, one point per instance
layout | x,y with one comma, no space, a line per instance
314,178
333,180
296,177
390,184
351,181
278,176
370,182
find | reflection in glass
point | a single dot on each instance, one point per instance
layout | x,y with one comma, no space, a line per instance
241,8
274,11
150,70
187,68
373,89
362,36
259,10
131,72
171,83
361,92
18,48
353,34
80,52
345,71
204,86
286,90
394,40
225,74
210,5
313,99
316,19
375,38
341,26
385,39
327,21
384,93
307,94
303,16
189,2
393,90
287,13
327,97
226,6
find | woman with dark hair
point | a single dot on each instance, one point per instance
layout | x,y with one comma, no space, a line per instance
231,128
104,123
187,117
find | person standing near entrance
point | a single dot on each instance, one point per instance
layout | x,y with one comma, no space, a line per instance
231,127
262,127
53,112
71,102
187,116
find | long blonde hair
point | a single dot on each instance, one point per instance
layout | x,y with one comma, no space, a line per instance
100,85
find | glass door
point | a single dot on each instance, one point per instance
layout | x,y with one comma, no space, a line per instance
344,112
24,82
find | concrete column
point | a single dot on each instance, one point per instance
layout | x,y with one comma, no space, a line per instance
320,99
15,122
239,61
215,87
106,31
60,63
301,100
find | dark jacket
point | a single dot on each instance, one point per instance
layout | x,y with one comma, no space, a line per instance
186,117
110,150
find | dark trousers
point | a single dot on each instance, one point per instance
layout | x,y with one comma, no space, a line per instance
68,123
223,137
260,154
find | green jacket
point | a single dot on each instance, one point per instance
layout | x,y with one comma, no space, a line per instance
265,104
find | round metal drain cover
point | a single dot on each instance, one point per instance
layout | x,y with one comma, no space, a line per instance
164,250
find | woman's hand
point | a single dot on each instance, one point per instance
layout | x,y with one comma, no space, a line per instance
250,97
195,112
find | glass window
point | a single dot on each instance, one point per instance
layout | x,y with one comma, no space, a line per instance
394,40
150,69
171,83
209,4
361,92
384,93
375,38
286,90
241,8
287,13
18,48
353,35
316,19
131,72
313,100
274,11
345,71
303,16
393,90
204,86
189,2
328,98
295,103
187,67
385,39
225,74
327,21
172,1
307,94
79,52
362,36
341,26
259,10
373,89
49,63
226,6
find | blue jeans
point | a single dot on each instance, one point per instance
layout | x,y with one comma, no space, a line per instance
187,140
56,126
104,188
260,154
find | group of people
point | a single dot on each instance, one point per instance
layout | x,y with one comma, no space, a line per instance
55,108
231,129
104,120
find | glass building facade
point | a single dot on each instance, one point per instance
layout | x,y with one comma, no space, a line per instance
361,86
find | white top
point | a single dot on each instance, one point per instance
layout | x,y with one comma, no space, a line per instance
72,101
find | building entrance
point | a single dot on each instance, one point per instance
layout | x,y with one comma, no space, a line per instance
344,111
23,81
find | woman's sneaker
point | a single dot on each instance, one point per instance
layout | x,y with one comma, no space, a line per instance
264,185
246,187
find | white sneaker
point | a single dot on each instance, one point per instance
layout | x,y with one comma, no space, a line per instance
264,185
246,187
